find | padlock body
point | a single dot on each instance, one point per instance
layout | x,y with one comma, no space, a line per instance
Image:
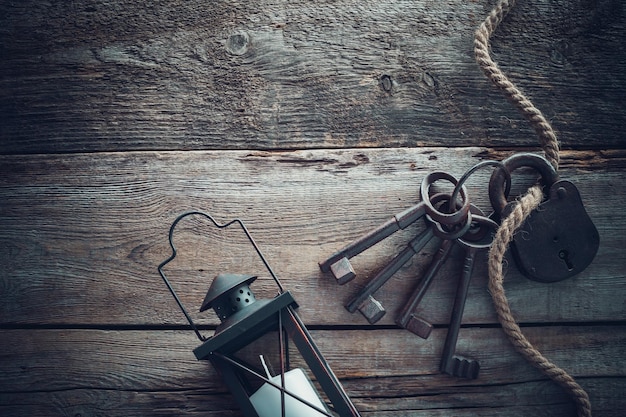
558,239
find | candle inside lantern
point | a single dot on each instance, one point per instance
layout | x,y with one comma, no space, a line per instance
267,399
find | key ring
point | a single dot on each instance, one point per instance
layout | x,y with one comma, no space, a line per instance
438,228
473,240
449,219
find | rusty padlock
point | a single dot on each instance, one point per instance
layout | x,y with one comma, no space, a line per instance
558,239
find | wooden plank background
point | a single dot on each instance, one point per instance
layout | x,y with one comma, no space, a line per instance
313,122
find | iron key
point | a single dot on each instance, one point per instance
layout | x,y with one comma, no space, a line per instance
339,263
451,363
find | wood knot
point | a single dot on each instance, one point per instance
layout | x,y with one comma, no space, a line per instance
237,43
386,83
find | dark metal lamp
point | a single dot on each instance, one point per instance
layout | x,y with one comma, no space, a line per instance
245,319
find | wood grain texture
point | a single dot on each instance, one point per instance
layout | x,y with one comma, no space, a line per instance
118,372
108,75
313,122
83,235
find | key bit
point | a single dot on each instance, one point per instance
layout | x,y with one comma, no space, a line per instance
418,326
461,367
342,271
372,309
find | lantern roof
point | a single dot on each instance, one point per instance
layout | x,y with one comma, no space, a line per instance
223,284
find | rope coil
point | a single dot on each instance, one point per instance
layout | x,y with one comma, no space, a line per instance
525,205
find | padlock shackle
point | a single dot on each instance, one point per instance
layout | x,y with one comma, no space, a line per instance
497,182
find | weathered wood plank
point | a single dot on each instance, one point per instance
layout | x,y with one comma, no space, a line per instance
384,371
82,235
106,75
92,402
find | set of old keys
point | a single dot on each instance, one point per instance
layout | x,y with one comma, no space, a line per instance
557,241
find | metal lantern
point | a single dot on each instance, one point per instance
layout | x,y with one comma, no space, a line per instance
245,319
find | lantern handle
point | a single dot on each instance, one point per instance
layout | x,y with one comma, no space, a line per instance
173,255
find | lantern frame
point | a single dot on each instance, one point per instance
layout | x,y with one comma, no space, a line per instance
277,313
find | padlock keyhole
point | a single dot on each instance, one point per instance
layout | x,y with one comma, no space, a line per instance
564,255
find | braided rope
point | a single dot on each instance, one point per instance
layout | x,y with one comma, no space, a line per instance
542,127
525,205
503,237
